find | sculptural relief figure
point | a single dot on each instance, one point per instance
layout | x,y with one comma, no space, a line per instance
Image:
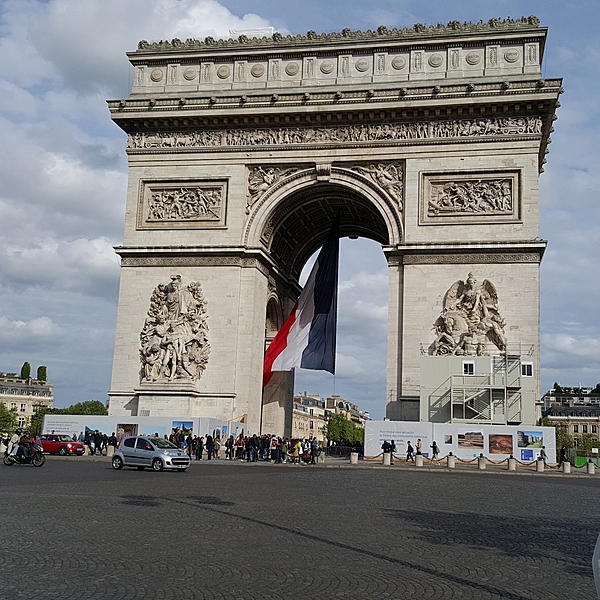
261,180
387,176
174,342
470,323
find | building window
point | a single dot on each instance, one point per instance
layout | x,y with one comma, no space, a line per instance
527,369
575,428
13,406
21,421
594,429
584,429
312,425
23,407
468,368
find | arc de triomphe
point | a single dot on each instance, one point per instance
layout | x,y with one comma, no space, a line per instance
428,140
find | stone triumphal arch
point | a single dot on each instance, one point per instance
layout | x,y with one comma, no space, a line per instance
428,140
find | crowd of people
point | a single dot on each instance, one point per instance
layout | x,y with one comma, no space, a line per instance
269,448
97,442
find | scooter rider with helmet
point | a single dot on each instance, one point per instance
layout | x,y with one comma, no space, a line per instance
24,450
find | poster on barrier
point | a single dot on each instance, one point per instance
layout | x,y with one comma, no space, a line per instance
466,441
401,432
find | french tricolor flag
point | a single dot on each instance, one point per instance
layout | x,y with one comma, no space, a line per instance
307,338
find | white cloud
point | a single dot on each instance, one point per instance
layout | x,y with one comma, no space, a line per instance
349,367
562,350
42,328
63,172
85,41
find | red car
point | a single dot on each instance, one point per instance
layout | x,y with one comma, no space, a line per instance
61,444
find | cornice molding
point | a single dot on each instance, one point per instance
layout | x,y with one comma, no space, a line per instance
382,34
465,253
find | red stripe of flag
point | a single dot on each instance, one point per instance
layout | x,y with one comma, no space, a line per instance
278,345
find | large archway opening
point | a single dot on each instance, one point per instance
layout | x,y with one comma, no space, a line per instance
361,353
301,221
294,234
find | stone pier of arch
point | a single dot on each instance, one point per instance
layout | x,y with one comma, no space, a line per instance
241,152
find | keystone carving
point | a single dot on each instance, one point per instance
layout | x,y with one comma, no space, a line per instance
470,322
174,342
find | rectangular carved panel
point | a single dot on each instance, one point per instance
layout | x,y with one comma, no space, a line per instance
458,198
182,204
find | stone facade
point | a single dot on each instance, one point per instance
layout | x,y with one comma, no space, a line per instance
25,396
577,420
429,141
308,418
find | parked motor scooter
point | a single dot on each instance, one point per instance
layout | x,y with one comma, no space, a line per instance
33,454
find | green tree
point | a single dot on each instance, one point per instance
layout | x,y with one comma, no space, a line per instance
557,389
37,420
8,419
359,434
89,407
26,371
335,428
41,373
341,429
586,442
596,390
564,438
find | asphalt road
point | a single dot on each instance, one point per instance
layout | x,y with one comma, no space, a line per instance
77,529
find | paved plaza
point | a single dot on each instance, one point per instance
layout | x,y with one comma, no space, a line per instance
78,529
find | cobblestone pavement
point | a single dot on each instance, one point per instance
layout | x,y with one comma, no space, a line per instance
78,529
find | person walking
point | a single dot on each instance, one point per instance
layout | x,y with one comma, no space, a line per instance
563,456
543,455
392,451
210,447
409,452
435,452
419,446
199,447
229,448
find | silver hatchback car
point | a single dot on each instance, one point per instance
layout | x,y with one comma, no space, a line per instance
154,452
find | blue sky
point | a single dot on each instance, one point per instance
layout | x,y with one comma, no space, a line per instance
63,176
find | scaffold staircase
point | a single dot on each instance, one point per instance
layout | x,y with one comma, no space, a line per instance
492,399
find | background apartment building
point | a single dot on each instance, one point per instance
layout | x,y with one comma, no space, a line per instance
25,396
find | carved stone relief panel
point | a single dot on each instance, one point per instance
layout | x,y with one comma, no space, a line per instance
457,198
182,204
173,341
385,132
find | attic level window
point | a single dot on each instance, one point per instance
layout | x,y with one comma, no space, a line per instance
468,368
527,369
